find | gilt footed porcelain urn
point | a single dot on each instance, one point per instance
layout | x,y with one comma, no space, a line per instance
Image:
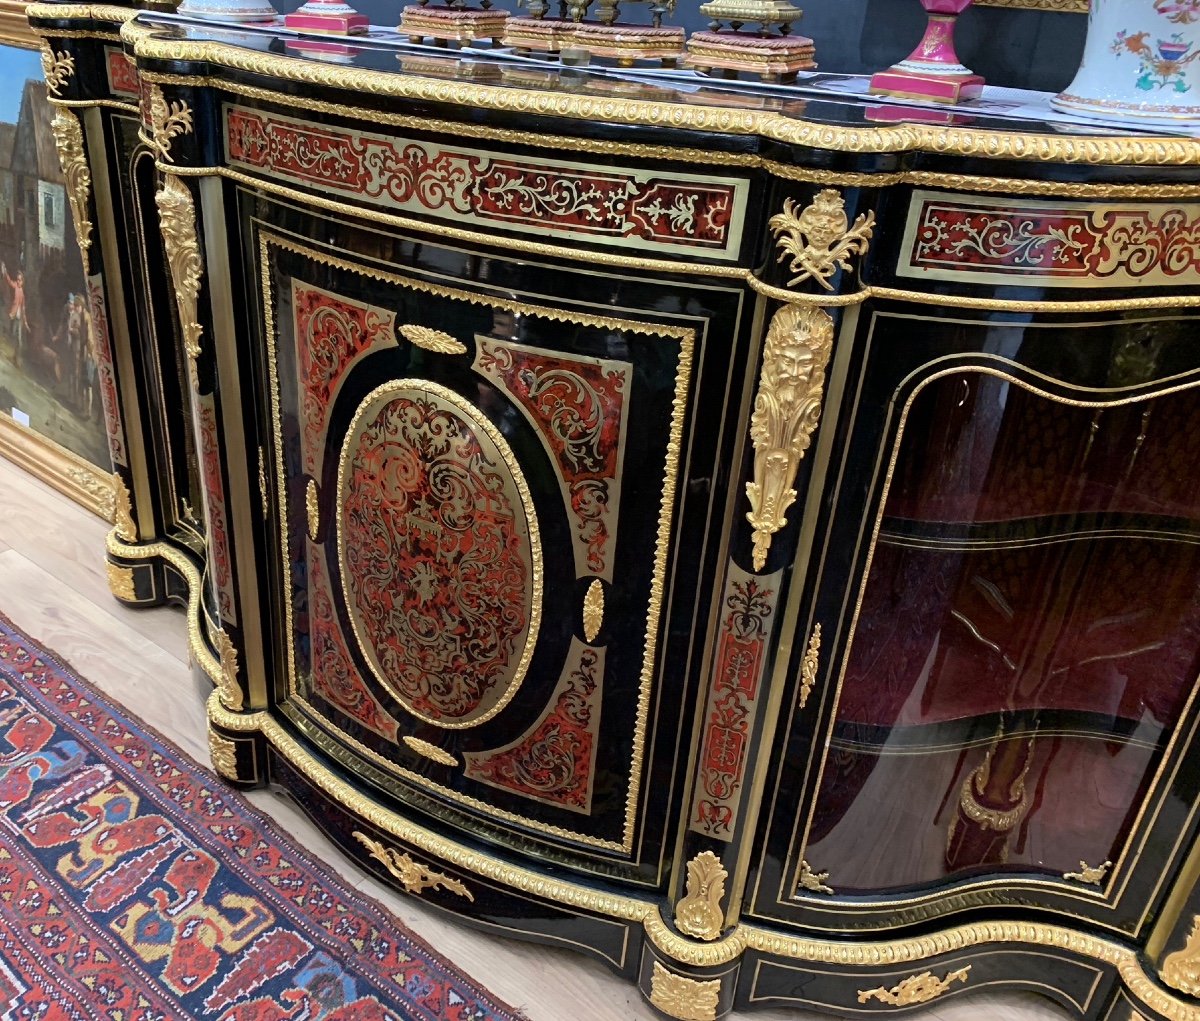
1141,62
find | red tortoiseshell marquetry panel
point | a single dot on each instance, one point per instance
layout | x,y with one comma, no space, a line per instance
332,334
749,605
214,497
630,207
334,675
556,761
577,405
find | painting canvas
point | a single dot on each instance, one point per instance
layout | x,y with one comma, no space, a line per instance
48,373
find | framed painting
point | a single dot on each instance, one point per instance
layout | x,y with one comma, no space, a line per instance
51,414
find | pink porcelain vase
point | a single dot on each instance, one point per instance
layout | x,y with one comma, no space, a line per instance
933,70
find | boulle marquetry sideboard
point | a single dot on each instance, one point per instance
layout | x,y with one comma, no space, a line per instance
741,538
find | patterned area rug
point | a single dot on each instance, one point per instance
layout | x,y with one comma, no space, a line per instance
134,886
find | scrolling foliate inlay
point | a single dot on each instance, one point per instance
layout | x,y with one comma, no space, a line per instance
579,407
413,876
1181,969
68,137
177,220
167,121
57,68
733,698
820,239
687,999
333,333
698,914
914,989
554,762
787,409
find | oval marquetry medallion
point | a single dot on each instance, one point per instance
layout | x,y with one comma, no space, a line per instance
440,555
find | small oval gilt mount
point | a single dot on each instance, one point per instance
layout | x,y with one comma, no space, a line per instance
312,508
437,341
593,610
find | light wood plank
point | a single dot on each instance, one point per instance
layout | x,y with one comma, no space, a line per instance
67,542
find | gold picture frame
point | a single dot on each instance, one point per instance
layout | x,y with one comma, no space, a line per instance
75,477
14,26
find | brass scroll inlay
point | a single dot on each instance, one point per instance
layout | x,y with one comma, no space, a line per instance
68,138
914,989
228,688
786,412
1092,875
685,998
224,755
312,509
810,664
593,610
414,877
1181,969
437,341
120,582
699,913
58,68
123,511
814,881
167,121
177,218
430,751
820,239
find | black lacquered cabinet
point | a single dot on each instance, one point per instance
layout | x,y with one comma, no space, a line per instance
744,542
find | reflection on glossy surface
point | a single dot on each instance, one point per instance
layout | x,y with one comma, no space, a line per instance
1028,631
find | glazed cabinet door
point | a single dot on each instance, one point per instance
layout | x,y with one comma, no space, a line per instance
1007,579
491,492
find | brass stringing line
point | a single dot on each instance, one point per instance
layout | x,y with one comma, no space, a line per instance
114,104
1142,151
925,382
641,150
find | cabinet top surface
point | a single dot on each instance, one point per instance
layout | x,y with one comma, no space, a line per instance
382,70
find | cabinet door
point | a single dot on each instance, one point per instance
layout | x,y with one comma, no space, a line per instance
491,540
1008,588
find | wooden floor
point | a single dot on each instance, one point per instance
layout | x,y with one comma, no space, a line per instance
52,584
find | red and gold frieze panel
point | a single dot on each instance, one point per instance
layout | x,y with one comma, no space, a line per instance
631,208
332,334
101,344
122,77
214,502
578,407
334,675
555,762
748,607
1051,244
440,553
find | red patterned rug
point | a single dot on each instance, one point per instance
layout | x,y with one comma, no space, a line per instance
135,886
